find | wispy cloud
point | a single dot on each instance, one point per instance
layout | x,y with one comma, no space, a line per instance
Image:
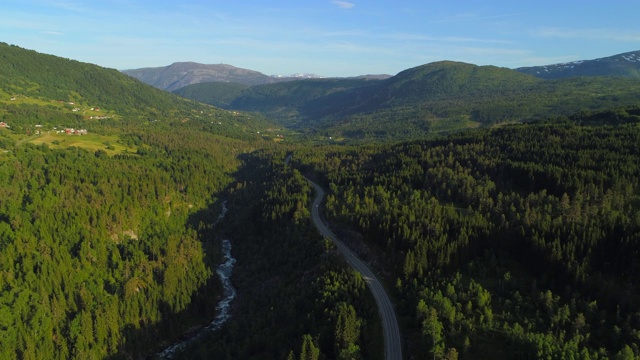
66,5
472,16
443,39
589,34
343,4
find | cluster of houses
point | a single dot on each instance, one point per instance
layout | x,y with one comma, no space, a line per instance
68,131
71,131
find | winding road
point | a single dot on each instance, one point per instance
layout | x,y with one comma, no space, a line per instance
392,343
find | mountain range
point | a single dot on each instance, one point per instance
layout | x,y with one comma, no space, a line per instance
181,74
433,98
437,97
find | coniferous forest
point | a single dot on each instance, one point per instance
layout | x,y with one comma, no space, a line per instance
507,241
101,253
520,241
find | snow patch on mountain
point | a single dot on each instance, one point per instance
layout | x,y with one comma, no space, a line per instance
298,76
625,65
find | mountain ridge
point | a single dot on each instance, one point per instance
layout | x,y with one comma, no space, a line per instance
180,74
620,65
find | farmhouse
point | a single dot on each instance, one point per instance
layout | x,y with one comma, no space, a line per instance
70,131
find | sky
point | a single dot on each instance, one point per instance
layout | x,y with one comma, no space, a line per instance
323,37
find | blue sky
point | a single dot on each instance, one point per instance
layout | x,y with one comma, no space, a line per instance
324,37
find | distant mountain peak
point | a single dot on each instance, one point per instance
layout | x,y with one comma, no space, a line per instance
621,65
181,74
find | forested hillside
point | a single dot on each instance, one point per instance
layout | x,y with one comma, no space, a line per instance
26,72
40,89
296,103
108,255
517,242
218,94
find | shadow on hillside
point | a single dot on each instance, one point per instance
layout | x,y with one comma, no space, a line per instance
149,339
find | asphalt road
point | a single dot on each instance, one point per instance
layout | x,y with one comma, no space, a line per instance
392,343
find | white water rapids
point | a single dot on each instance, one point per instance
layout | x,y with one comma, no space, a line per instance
223,308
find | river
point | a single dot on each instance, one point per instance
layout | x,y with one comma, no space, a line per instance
223,308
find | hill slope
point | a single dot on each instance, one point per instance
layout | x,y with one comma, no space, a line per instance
44,89
219,94
622,65
295,102
26,72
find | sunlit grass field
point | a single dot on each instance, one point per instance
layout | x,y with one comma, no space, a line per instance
90,142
